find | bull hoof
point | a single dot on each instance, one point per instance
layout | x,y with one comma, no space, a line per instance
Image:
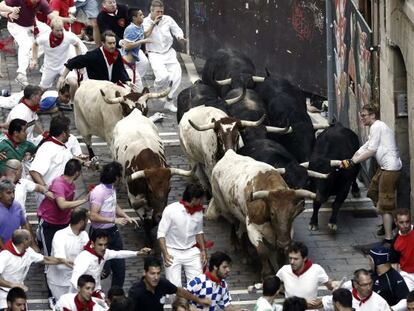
332,227
313,227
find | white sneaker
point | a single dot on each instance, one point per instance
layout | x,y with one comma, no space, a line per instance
52,303
21,79
169,105
157,117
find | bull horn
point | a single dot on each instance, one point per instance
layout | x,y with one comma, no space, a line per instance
181,172
258,79
279,130
204,127
320,126
111,101
281,170
236,99
245,123
317,175
137,175
143,99
305,164
262,194
335,163
224,82
305,194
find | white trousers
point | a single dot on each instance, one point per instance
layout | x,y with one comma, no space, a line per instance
409,279
188,259
24,38
58,290
166,68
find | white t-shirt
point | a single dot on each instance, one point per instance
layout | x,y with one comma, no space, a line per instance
263,305
23,186
161,38
67,302
73,145
374,303
382,140
178,227
65,244
50,161
56,57
305,285
87,263
21,111
14,269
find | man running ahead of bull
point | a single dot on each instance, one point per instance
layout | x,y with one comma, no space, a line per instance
103,63
381,144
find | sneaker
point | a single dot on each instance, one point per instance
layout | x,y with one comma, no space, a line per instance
380,230
157,117
52,302
21,79
169,105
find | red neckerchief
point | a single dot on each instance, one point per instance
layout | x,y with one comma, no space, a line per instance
361,301
214,279
8,246
110,57
80,306
307,265
15,143
89,249
132,66
55,41
191,209
32,108
47,137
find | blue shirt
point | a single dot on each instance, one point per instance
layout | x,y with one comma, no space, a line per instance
11,218
133,33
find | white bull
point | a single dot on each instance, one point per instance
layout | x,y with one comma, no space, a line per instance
99,105
137,145
254,196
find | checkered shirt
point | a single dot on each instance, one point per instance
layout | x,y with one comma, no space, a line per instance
201,286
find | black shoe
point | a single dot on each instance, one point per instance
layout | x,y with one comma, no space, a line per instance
380,230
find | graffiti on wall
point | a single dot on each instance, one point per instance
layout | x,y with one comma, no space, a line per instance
307,18
352,70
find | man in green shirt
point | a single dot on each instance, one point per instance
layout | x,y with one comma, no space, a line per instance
13,144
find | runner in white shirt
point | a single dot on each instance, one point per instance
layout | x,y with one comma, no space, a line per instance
301,277
83,299
52,154
56,45
26,110
180,228
15,261
92,259
381,144
160,29
67,243
363,298
271,287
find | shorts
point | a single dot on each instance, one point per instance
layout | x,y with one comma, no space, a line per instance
89,7
382,190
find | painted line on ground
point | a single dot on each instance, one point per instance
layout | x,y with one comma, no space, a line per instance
167,142
190,67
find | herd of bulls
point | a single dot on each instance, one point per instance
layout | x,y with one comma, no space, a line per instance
249,140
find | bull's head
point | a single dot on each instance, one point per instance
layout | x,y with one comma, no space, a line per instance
227,130
322,186
297,176
134,100
282,207
158,181
244,80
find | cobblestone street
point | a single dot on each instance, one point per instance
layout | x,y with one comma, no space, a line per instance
357,220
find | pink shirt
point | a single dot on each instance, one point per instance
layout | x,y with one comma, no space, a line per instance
104,196
49,210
